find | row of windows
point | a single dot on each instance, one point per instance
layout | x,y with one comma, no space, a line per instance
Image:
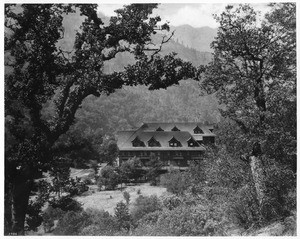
153,143
141,153
147,153
197,130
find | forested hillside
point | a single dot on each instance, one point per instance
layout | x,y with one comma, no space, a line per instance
196,38
130,106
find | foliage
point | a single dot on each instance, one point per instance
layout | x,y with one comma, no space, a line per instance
108,151
154,166
126,196
129,107
176,182
172,202
253,74
71,223
78,146
243,208
66,203
49,216
182,221
102,224
280,181
39,69
108,178
144,205
122,216
131,169
34,216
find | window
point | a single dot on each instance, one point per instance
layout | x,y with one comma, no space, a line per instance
153,143
159,129
192,143
175,129
137,143
197,130
174,143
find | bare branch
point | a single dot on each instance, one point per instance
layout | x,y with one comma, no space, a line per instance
164,40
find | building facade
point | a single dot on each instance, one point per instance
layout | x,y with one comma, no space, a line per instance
175,144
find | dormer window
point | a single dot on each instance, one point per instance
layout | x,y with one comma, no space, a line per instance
153,143
174,143
197,130
192,143
175,129
138,143
159,129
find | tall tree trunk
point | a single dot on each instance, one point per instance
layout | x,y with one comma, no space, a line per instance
20,197
258,178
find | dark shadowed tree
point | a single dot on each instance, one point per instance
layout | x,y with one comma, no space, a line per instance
38,70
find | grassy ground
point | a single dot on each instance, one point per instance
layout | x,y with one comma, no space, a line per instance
107,200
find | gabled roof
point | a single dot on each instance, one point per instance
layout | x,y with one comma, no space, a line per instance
163,137
189,127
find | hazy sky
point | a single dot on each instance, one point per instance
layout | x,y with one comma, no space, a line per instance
194,14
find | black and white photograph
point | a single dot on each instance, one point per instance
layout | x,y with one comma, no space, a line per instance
150,119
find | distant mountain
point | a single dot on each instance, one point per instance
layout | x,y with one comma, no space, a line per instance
191,44
197,38
188,54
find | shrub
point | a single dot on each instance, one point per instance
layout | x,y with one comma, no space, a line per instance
102,224
108,178
66,203
71,223
144,205
131,169
76,187
126,196
280,181
243,208
181,221
172,202
176,182
154,168
122,216
49,216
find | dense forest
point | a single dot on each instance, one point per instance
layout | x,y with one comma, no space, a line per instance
73,78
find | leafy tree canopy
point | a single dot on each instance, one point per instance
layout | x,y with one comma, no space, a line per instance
39,70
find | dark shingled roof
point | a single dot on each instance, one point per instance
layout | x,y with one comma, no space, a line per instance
148,130
189,127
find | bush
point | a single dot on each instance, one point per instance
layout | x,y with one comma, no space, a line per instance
122,216
243,208
108,178
76,187
102,224
280,182
71,223
181,221
176,182
126,196
49,216
131,170
172,202
66,203
144,205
